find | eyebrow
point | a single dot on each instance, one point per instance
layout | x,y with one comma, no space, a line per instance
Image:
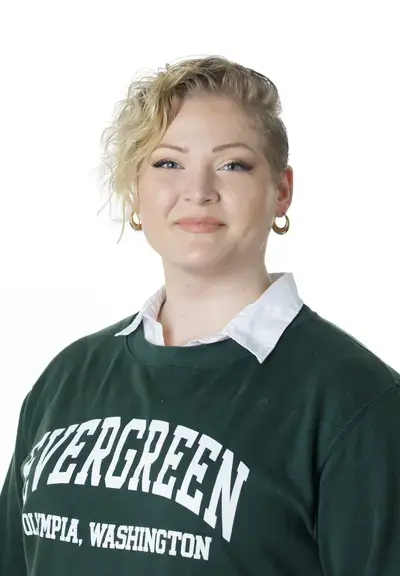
219,148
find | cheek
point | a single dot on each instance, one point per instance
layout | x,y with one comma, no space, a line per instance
155,206
155,190
252,209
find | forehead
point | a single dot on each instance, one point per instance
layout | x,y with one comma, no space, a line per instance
214,119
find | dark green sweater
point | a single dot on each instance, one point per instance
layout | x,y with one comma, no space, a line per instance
135,459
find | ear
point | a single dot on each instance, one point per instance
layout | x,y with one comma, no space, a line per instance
284,192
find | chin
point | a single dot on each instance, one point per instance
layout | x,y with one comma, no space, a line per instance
197,264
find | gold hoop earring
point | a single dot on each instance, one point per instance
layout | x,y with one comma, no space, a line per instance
137,226
284,228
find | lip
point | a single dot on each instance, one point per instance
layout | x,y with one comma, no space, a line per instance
197,220
200,225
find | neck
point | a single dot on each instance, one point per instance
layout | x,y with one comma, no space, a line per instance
196,307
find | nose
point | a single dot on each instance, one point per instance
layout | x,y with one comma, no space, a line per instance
201,188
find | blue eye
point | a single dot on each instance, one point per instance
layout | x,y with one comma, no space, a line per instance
165,163
229,167
237,166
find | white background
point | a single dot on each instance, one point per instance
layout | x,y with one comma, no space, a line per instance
63,67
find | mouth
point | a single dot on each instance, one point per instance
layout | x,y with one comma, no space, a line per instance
200,225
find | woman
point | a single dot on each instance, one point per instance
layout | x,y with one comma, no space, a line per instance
226,428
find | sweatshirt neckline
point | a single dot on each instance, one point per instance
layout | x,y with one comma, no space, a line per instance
185,356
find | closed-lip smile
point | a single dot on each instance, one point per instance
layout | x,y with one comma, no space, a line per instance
200,220
199,224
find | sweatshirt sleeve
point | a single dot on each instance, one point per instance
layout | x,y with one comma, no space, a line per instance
358,526
12,560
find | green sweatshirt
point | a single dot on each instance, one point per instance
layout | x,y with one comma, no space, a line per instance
135,459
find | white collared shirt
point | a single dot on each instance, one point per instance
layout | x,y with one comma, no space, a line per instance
257,327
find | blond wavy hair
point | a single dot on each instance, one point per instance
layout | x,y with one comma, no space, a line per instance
154,99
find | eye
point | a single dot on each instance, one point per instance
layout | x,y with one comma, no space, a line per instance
165,163
237,166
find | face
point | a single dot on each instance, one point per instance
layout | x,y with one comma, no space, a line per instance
207,199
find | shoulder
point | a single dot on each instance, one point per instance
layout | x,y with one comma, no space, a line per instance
338,378
337,355
102,336
95,347
102,339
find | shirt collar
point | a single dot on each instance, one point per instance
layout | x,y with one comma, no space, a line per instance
257,327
